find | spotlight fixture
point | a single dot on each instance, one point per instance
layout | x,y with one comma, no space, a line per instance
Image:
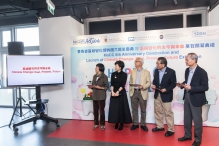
38,16
98,8
87,10
72,11
122,5
175,2
155,3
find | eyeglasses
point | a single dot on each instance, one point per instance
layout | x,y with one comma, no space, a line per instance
137,61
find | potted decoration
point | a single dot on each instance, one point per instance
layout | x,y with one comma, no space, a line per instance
87,104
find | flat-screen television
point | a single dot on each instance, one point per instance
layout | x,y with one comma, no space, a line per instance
34,70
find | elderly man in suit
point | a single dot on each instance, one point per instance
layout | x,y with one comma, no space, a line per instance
139,93
195,85
164,82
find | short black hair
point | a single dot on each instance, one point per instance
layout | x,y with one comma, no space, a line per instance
101,67
163,60
120,64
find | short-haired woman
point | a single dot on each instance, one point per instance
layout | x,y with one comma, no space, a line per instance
119,112
100,86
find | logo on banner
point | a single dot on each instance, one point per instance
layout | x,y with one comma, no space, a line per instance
105,39
199,33
161,37
131,39
86,41
175,35
213,32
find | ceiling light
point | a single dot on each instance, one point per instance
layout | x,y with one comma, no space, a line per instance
38,16
98,8
175,2
155,3
122,6
87,10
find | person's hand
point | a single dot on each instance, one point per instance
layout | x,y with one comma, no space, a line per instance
187,87
117,93
91,86
153,87
97,87
179,85
140,86
113,94
163,90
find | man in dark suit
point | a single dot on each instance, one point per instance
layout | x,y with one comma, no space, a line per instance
195,85
164,82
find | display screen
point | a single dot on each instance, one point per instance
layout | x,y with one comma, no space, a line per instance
35,70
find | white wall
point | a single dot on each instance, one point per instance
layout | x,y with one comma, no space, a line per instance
214,18
55,38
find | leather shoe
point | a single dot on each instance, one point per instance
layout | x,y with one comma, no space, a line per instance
145,128
121,126
184,138
157,129
116,126
169,133
196,143
133,127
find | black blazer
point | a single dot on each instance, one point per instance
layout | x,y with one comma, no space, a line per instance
199,84
168,82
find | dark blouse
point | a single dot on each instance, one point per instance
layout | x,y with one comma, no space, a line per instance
118,79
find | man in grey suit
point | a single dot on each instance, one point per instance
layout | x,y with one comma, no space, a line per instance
195,85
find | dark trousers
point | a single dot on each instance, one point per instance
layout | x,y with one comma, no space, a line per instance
192,113
98,106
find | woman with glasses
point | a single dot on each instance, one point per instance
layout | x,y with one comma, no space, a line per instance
100,86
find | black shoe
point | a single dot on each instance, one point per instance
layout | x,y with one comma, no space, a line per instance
133,127
121,126
145,128
116,126
169,133
184,138
157,129
196,143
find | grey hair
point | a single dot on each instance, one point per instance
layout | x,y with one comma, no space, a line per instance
193,56
141,59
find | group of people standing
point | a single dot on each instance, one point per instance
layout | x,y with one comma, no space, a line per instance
195,85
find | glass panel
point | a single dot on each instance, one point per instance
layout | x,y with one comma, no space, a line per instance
130,25
164,22
4,75
32,53
6,37
6,97
24,94
32,93
102,27
194,20
30,36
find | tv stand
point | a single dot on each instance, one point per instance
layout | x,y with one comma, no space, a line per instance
38,114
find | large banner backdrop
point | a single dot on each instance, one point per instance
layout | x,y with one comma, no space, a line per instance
174,44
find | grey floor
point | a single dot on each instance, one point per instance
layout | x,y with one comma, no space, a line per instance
36,135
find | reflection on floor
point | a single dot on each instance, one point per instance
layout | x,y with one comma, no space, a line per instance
82,130
80,133
37,135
